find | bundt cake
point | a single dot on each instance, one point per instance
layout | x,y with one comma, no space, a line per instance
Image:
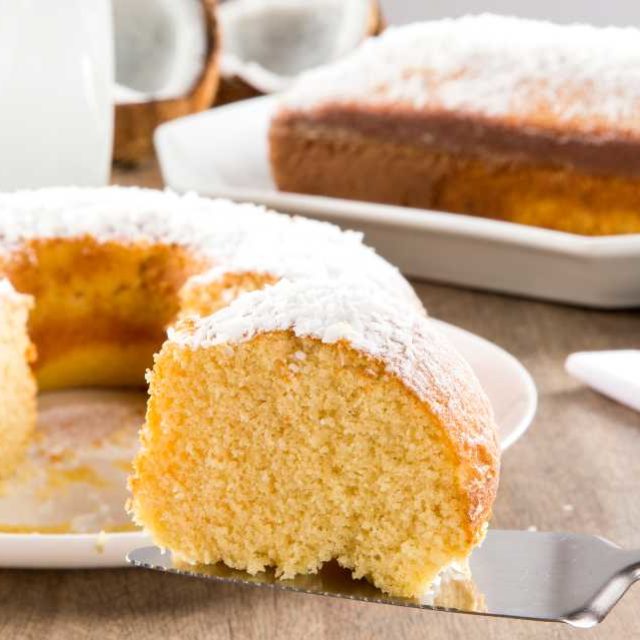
512,119
17,386
302,409
310,421
109,269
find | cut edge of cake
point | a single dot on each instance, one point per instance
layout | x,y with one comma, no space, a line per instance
17,383
245,404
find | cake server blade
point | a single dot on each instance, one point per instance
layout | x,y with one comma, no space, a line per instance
560,577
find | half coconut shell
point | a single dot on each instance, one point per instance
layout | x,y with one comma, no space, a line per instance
235,87
136,120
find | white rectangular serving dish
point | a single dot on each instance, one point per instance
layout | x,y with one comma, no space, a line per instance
223,152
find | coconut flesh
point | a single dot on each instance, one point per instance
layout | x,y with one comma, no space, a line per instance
160,47
267,43
167,62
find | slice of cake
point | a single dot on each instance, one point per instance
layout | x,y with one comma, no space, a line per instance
311,421
512,119
17,385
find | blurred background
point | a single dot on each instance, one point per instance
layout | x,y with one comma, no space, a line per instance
596,12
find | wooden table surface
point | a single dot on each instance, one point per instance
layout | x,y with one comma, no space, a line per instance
577,469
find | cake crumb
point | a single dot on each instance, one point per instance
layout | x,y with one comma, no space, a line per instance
532,527
101,541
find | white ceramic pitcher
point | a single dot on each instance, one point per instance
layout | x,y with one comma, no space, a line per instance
56,107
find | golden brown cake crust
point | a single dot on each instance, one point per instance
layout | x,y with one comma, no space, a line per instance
601,150
468,426
494,116
344,163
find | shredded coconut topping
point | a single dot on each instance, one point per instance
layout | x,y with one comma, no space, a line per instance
7,290
218,228
526,72
407,343
235,237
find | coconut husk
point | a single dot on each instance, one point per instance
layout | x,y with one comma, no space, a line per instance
234,88
135,122
377,22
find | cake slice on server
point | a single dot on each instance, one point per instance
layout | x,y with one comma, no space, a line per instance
512,119
308,422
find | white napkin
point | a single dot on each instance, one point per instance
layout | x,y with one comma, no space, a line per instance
614,373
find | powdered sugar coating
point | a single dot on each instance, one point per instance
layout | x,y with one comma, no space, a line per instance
234,237
525,72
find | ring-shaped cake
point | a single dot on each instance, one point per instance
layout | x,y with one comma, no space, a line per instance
302,408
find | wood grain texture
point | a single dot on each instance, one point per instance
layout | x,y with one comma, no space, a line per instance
582,450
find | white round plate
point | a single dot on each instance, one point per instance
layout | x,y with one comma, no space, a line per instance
508,384
95,496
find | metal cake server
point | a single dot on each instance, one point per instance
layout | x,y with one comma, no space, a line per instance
560,577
